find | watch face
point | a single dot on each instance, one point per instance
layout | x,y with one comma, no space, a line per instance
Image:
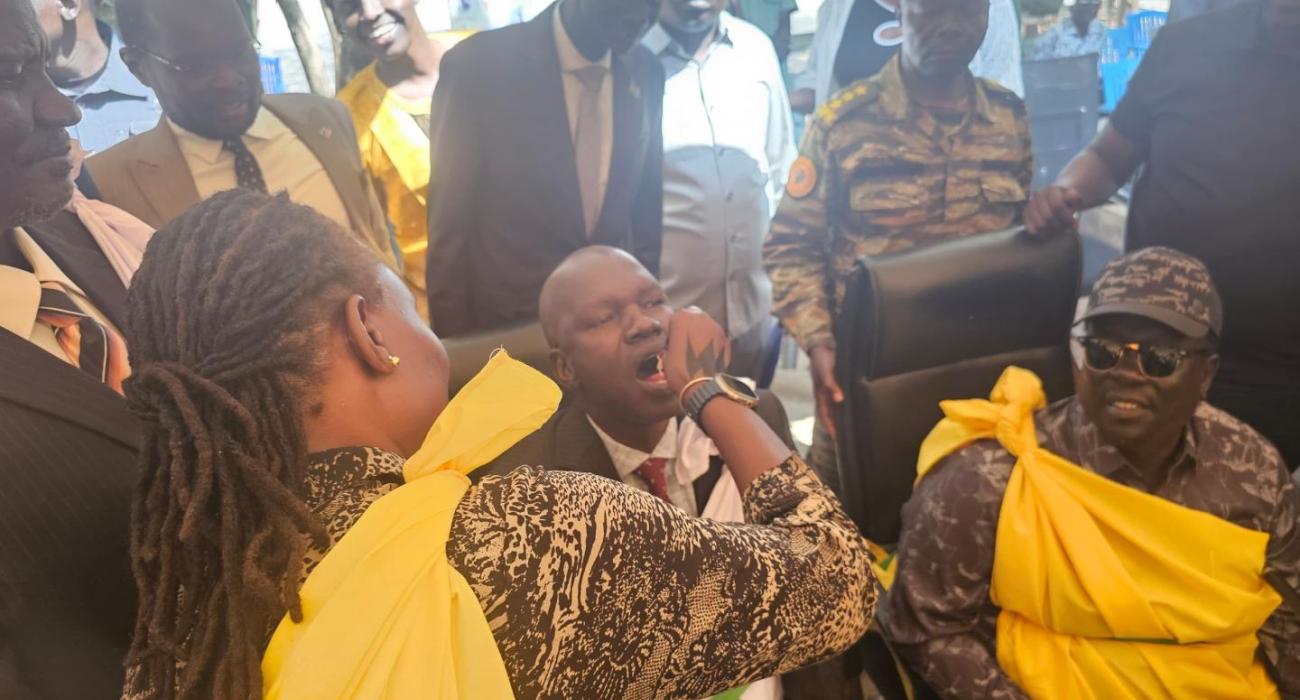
738,386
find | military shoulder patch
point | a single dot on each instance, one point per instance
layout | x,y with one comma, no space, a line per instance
802,179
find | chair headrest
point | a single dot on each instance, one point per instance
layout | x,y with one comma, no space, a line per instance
974,297
468,354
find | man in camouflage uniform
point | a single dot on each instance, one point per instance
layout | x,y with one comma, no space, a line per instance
1146,358
919,154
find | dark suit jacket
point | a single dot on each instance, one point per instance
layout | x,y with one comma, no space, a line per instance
504,201
147,175
567,441
67,470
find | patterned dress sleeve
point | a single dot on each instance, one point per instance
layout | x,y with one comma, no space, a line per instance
596,590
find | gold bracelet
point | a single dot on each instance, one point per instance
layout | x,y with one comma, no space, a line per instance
681,398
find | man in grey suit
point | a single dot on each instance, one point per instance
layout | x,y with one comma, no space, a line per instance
545,137
219,131
606,318
67,441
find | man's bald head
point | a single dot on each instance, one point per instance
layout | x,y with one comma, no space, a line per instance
606,319
571,281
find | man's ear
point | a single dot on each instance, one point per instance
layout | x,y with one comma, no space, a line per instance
135,62
565,376
69,10
365,341
1211,371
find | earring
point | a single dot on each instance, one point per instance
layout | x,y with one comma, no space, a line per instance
68,13
394,360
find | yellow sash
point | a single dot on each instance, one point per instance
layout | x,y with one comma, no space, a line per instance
1107,592
384,613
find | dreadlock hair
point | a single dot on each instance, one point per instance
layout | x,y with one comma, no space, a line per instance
227,314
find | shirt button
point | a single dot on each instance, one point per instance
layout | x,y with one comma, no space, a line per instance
731,196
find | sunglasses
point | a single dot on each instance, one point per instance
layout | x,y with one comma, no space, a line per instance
1156,362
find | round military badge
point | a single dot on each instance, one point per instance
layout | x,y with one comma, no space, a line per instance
803,178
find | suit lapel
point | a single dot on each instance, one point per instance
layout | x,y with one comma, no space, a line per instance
65,239
555,163
578,447
628,143
163,176
32,377
704,485
315,130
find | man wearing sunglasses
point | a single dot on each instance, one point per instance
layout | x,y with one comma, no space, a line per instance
1026,575
220,132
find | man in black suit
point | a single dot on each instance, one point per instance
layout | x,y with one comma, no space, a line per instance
545,137
606,318
67,442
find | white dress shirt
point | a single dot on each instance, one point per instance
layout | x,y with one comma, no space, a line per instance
628,459
20,295
998,58
571,59
286,162
728,143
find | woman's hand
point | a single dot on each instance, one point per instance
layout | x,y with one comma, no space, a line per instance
697,347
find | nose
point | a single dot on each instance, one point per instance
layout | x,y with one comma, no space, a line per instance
371,9
642,326
52,108
224,76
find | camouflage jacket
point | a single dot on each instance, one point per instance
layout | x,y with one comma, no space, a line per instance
879,174
938,613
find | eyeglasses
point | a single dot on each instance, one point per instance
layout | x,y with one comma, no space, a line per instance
206,66
1155,362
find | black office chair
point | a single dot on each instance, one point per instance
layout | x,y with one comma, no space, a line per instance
939,323
468,354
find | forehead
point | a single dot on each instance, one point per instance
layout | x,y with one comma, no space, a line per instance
20,35
196,26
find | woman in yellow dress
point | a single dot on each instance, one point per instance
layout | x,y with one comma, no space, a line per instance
300,531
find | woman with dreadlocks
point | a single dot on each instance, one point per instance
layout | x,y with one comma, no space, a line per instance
300,531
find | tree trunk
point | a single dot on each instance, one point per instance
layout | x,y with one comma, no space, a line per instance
312,63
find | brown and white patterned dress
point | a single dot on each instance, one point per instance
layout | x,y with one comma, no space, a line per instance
594,590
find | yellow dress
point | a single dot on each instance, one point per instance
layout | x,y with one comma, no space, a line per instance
1107,592
385,615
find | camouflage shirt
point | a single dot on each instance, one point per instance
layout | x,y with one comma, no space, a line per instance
938,613
877,174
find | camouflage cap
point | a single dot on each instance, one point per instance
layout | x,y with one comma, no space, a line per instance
1163,285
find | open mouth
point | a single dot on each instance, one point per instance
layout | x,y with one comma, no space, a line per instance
1125,407
651,369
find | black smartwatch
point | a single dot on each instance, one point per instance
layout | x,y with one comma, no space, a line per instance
723,385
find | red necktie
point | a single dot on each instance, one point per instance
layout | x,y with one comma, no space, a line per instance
654,472
88,344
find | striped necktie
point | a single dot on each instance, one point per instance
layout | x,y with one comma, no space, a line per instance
87,343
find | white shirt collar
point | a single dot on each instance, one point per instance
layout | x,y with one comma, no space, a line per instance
571,58
266,126
20,290
658,40
628,459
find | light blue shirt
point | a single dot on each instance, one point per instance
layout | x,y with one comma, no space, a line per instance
114,105
728,143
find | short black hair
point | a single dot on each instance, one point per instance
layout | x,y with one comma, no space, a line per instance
133,23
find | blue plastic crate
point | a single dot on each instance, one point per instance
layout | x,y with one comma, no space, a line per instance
1144,25
272,75
1119,44
1114,80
